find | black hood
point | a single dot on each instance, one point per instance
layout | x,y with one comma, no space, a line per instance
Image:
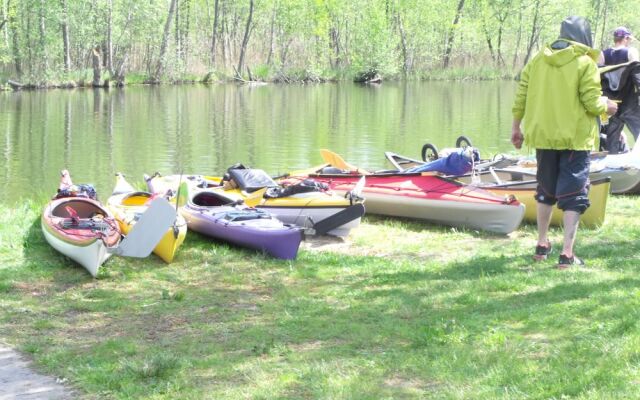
576,29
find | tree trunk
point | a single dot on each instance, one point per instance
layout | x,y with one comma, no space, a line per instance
185,32
245,40
284,52
97,64
272,36
109,55
335,45
518,39
534,32
65,37
214,31
223,33
177,31
3,22
17,56
605,12
29,43
487,35
456,20
499,52
43,38
165,39
403,43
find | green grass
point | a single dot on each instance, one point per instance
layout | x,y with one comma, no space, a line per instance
401,309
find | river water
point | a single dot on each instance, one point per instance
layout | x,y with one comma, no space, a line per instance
205,129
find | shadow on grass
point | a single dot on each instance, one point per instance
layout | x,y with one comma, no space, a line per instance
387,328
43,259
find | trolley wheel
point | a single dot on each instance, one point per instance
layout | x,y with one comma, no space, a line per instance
429,152
463,141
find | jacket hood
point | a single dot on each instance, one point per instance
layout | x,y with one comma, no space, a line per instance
563,51
576,29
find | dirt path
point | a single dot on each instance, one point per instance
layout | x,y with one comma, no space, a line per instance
19,381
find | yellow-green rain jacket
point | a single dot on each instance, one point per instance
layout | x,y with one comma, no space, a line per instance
558,99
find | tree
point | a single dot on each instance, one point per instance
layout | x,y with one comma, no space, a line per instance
165,40
214,30
456,21
245,40
64,25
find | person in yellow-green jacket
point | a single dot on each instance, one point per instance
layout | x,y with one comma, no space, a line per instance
557,103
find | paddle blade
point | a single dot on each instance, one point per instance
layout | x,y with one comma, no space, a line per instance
337,161
338,219
148,230
255,198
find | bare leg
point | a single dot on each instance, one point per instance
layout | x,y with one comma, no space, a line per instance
544,219
570,219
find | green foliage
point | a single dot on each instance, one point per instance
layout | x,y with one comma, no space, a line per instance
346,37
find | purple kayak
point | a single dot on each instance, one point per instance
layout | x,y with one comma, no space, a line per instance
213,214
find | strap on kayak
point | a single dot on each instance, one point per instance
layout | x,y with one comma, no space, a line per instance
93,224
245,215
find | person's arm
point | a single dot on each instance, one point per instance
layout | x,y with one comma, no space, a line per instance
590,91
601,59
517,138
632,54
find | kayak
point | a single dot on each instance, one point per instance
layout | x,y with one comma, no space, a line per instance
317,211
77,225
213,213
622,168
522,184
127,204
424,196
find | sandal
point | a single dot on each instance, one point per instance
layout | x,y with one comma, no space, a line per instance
565,262
542,252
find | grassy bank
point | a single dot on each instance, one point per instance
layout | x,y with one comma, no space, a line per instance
400,310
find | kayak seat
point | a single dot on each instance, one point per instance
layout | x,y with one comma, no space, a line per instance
136,199
83,209
211,199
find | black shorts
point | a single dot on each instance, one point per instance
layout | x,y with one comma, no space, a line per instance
563,177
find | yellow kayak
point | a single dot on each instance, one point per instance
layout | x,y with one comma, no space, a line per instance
127,205
305,209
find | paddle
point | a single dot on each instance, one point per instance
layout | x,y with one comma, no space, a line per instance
147,231
255,198
338,219
337,161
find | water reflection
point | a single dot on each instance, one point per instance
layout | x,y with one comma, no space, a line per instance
204,129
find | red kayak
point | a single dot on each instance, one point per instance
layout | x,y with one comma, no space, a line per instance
424,196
